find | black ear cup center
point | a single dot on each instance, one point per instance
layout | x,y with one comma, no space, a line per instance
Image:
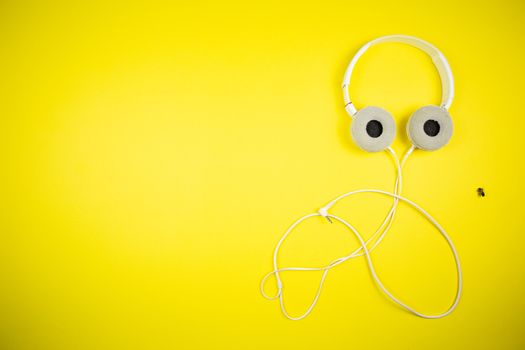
374,128
431,127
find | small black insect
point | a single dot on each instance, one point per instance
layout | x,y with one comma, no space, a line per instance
481,192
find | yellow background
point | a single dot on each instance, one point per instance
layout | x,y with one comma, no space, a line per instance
153,153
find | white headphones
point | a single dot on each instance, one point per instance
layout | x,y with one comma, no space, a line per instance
373,129
429,128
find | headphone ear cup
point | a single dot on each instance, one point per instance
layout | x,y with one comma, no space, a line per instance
430,128
373,129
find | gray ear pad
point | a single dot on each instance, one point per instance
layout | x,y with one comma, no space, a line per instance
430,128
373,129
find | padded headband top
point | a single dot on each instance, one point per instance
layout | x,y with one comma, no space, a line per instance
440,62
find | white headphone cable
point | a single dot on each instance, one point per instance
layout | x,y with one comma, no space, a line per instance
366,251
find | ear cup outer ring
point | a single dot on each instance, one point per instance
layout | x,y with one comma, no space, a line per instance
424,138
373,142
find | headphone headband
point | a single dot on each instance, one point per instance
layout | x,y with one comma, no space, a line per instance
439,60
